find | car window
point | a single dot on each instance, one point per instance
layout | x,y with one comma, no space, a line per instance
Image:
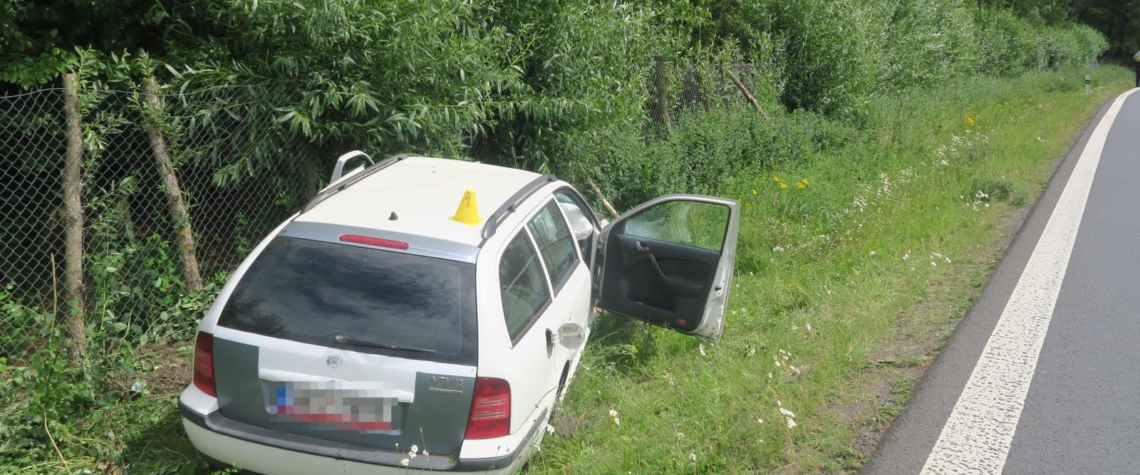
313,291
555,243
690,223
582,221
522,284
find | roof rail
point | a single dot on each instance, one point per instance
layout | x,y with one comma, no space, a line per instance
338,171
324,195
511,205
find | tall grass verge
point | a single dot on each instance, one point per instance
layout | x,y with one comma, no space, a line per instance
825,270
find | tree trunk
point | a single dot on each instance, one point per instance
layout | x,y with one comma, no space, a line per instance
178,212
73,215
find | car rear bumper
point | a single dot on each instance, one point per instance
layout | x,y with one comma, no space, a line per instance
228,443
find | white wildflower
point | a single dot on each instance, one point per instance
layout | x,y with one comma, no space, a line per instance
701,347
808,326
751,352
693,457
948,260
759,420
680,435
906,255
872,253
549,430
791,423
778,249
787,412
405,462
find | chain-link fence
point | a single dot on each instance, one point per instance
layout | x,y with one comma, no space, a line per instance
163,186
688,91
171,190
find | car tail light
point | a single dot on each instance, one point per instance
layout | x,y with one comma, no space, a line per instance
373,241
204,363
490,410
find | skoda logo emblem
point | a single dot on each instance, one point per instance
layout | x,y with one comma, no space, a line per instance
333,361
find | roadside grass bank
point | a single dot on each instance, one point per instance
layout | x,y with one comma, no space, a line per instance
851,271
855,260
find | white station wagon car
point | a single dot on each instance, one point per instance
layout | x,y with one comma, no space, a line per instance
383,329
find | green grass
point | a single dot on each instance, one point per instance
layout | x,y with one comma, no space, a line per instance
828,277
877,254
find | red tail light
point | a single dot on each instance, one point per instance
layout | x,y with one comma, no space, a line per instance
373,241
204,363
490,410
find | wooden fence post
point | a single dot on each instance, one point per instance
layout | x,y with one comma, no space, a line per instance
178,212
73,215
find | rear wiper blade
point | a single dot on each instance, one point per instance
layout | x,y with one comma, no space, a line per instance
344,340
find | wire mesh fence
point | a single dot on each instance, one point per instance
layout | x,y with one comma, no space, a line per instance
217,154
135,287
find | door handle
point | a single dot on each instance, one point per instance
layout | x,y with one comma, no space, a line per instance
641,247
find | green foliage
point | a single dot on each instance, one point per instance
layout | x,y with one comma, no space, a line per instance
931,41
38,38
836,52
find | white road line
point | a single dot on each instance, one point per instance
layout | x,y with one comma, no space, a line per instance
978,434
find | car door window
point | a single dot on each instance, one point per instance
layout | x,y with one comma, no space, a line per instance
522,284
695,224
555,243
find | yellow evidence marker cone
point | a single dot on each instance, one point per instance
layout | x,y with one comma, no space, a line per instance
468,211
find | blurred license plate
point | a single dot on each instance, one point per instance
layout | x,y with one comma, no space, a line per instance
335,408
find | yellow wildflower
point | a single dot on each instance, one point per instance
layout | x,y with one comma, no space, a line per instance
775,179
783,186
806,182
754,192
800,186
970,121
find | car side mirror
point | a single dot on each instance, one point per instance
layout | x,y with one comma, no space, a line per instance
571,335
580,226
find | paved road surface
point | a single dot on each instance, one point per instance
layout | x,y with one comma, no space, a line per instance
1042,376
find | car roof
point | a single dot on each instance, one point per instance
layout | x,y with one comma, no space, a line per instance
424,193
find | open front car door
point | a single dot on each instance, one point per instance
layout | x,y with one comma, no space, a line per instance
669,262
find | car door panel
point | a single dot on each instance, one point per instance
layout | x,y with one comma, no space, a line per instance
673,267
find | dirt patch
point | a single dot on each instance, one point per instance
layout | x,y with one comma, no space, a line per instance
161,369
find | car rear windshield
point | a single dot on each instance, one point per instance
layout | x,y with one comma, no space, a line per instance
358,298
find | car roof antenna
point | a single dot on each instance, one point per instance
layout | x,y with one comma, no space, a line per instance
393,217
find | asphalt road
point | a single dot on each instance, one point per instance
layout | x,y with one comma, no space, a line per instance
1042,376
